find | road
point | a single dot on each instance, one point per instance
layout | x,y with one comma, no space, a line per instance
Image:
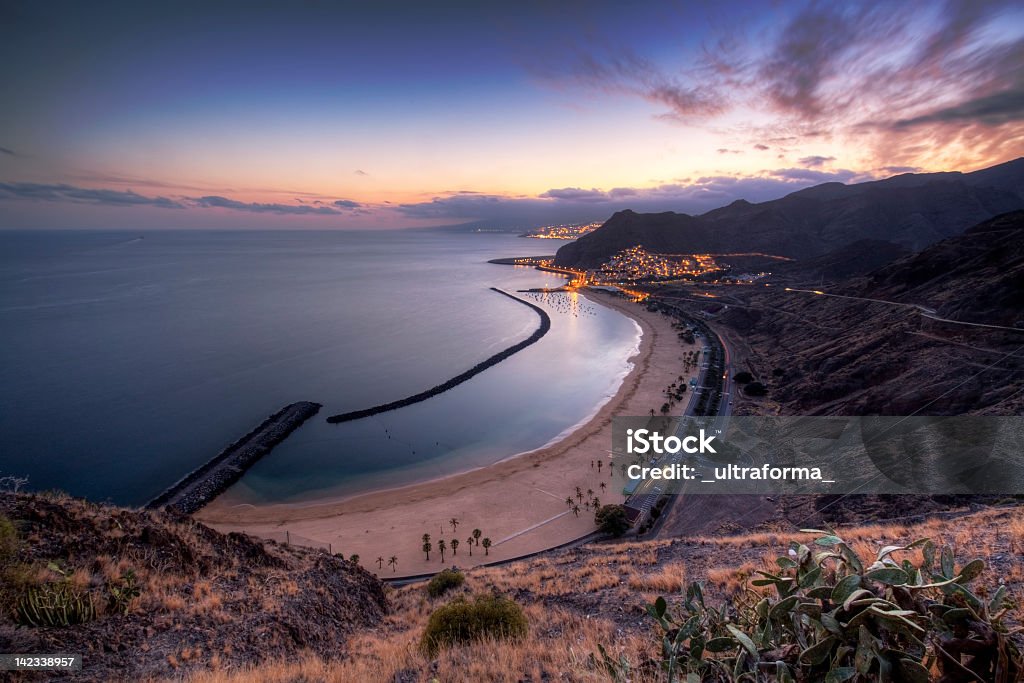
925,312
649,491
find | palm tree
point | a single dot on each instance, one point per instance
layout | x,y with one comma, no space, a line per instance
441,548
596,503
599,464
590,493
469,542
426,538
576,510
476,536
380,563
427,548
486,543
568,501
602,486
579,494
455,546
393,563
454,524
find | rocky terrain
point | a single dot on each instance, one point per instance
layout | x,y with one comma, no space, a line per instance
851,356
169,594
910,210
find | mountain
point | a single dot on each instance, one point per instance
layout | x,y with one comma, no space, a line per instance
910,210
857,354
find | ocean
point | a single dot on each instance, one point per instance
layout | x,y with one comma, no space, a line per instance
130,359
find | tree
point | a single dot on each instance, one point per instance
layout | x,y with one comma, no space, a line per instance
743,377
427,547
590,493
455,546
476,535
579,494
612,520
755,389
380,563
393,563
354,559
602,486
454,524
486,543
568,501
576,510
441,547
426,538
469,544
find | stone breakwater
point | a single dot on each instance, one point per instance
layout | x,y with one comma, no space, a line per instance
542,329
207,482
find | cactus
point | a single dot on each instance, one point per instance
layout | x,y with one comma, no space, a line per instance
833,618
55,604
123,592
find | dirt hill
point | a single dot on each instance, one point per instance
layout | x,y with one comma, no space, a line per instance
191,596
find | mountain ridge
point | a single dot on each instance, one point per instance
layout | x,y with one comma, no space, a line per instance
912,210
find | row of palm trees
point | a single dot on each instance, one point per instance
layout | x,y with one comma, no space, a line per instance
473,539
591,502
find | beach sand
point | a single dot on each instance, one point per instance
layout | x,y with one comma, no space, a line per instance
519,503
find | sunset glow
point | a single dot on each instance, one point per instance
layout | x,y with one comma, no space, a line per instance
404,115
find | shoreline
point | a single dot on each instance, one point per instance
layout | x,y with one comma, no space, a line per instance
527,489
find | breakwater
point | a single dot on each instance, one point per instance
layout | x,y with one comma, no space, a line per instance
542,329
208,481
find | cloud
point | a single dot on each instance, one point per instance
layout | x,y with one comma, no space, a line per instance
62,192
360,171
576,194
812,176
8,151
896,170
859,74
726,150
576,204
815,161
217,202
347,204
989,110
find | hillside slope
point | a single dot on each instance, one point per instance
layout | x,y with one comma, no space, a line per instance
204,598
911,210
856,356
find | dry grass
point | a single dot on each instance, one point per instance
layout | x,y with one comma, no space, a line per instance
580,598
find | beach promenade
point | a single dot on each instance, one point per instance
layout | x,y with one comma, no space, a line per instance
518,503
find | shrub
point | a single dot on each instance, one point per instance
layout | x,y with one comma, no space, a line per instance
8,541
611,519
755,389
836,618
444,581
54,604
743,377
463,621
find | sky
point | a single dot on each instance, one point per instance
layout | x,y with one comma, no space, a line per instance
507,114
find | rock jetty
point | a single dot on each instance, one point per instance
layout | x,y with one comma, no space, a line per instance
542,329
207,482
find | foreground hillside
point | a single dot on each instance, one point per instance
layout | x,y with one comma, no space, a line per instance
158,594
596,596
212,608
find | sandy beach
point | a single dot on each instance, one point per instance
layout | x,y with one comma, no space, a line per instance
519,503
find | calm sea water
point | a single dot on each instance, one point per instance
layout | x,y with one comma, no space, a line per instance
126,361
